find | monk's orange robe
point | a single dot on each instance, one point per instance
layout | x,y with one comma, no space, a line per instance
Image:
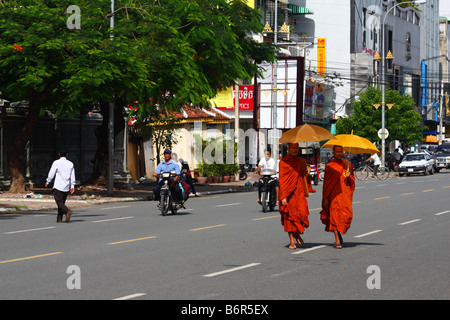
338,190
294,215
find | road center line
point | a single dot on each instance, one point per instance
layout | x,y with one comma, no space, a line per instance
407,194
231,270
229,204
131,296
216,226
113,219
381,198
367,234
132,240
271,217
441,213
309,249
408,222
429,190
28,230
32,257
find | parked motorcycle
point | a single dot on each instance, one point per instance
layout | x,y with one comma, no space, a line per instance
168,201
243,173
267,184
314,174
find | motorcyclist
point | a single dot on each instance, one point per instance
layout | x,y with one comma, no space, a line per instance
168,165
267,162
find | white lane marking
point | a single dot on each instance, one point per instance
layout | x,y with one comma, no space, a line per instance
309,249
441,213
229,204
408,222
110,208
131,296
231,270
113,219
29,230
367,234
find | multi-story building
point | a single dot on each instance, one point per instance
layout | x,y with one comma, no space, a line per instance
444,114
341,44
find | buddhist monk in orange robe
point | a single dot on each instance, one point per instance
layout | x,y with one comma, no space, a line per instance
292,195
337,196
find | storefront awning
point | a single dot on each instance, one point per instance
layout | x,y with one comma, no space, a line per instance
299,10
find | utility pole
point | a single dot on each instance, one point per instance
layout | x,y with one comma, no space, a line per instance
111,123
275,88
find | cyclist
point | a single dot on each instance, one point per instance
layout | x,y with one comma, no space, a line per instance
376,163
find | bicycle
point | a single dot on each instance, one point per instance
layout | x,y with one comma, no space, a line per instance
362,173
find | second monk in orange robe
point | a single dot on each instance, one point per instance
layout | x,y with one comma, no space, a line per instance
337,196
292,195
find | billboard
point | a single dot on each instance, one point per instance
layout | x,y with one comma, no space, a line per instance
289,97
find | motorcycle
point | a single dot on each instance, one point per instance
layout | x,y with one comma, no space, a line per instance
243,173
168,201
267,185
314,174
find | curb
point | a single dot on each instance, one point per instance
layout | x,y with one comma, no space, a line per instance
16,205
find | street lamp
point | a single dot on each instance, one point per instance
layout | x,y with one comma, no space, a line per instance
383,129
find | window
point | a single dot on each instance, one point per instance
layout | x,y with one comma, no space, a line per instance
408,46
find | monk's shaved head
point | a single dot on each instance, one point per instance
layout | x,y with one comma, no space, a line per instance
293,149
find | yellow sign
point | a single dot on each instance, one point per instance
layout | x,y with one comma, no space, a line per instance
321,57
224,99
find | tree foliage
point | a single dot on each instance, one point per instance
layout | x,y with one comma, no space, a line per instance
163,53
402,121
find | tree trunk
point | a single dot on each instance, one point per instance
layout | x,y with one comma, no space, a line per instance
99,174
15,154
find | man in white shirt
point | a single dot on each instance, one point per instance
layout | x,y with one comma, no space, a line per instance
64,173
376,163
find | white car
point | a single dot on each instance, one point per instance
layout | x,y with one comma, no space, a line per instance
416,163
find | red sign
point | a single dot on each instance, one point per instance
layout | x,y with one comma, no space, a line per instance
246,97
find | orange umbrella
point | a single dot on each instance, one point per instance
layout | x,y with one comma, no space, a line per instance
352,143
305,133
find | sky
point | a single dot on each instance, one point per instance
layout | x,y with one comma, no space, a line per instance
444,8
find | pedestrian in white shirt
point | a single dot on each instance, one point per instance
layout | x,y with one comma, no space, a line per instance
63,172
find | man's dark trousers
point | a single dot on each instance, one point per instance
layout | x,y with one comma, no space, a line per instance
60,199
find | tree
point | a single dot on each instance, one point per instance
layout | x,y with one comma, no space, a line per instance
402,121
163,53
60,69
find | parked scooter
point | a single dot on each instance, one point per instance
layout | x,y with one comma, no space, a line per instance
168,201
267,184
314,174
243,173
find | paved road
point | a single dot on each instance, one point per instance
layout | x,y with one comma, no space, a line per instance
224,247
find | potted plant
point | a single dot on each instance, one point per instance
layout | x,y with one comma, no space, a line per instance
201,179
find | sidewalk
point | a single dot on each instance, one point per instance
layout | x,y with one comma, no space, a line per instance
41,199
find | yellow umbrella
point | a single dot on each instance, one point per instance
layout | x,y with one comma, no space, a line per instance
305,133
352,143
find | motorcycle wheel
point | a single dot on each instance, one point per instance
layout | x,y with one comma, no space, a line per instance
242,175
264,201
316,179
272,201
164,204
